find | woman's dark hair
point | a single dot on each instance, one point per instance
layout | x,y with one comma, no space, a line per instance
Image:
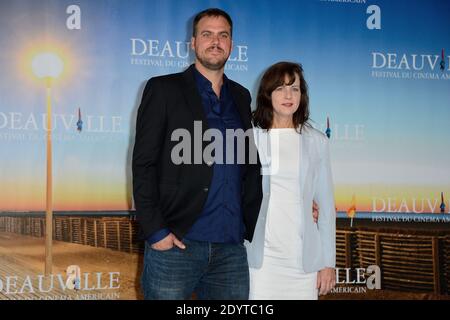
212,12
274,77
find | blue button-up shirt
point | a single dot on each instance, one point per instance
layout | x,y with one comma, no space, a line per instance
221,219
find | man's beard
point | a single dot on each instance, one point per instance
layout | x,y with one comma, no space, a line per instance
209,65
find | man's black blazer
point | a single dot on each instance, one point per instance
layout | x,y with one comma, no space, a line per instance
172,196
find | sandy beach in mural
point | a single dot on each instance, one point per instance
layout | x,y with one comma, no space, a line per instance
22,256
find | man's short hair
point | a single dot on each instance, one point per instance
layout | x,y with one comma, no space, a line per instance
211,12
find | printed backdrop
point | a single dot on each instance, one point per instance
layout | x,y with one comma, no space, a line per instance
378,74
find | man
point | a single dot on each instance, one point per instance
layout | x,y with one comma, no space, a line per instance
195,216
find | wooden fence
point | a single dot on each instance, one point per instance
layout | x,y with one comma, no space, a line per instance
409,260
116,233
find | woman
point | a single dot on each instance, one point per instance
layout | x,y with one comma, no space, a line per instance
291,256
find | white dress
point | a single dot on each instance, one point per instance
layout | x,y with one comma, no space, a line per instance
281,275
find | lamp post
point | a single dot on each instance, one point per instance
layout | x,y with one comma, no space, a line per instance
48,66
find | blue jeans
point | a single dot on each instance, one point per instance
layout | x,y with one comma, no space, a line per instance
217,271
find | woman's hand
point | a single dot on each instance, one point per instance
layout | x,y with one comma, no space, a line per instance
315,210
326,280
